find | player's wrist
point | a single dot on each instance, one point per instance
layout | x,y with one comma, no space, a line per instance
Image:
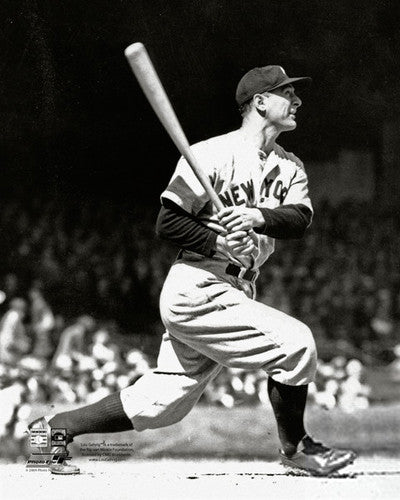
258,217
220,243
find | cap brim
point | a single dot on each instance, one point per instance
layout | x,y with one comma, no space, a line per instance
302,82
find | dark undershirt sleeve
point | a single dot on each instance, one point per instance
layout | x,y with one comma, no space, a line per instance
183,229
285,222
178,226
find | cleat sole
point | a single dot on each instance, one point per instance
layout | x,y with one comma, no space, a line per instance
294,469
65,470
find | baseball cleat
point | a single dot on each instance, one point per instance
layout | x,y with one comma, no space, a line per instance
58,452
316,459
64,469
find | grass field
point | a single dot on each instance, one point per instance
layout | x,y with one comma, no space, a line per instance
244,433
250,432
218,454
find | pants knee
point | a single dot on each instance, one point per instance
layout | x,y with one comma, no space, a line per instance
309,353
158,399
309,342
298,363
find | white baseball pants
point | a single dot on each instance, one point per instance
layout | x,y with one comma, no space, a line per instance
211,322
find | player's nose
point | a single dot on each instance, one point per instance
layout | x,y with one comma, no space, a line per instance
296,101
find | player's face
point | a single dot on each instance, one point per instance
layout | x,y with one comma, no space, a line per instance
281,107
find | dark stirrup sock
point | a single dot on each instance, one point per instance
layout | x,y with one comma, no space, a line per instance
288,403
107,415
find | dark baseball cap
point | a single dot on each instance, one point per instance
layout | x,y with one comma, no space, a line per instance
259,80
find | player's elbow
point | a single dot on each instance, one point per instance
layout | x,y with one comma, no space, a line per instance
168,224
303,222
161,227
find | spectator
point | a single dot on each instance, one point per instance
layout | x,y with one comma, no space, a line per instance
14,342
73,342
42,323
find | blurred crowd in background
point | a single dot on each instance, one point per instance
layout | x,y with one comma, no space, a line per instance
79,287
103,259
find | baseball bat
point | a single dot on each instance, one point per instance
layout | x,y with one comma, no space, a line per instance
147,77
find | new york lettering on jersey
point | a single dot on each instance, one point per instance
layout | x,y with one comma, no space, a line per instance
240,174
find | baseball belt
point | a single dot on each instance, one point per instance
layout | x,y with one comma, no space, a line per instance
241,272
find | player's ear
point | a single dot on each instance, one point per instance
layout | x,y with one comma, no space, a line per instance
258,100
260,104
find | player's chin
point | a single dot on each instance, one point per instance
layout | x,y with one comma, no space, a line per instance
289,124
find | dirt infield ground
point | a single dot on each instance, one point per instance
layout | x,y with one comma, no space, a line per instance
368,478
218,454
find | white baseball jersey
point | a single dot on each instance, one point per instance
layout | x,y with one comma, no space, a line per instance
241,175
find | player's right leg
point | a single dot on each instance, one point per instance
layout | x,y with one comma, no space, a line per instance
226,325
298,450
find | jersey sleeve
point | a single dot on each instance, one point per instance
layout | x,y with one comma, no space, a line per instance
298,189
184,189
285,221
185,230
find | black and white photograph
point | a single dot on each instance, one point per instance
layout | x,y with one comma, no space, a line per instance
199,249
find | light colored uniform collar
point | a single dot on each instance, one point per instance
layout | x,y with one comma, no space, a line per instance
251,147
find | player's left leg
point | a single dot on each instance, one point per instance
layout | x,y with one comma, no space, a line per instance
159,398
107,415
166,395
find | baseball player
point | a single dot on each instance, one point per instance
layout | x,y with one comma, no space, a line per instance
207,303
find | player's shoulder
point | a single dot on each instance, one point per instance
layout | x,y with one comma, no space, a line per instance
221,143
215,152
287,155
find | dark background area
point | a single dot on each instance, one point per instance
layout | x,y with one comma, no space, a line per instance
74,120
